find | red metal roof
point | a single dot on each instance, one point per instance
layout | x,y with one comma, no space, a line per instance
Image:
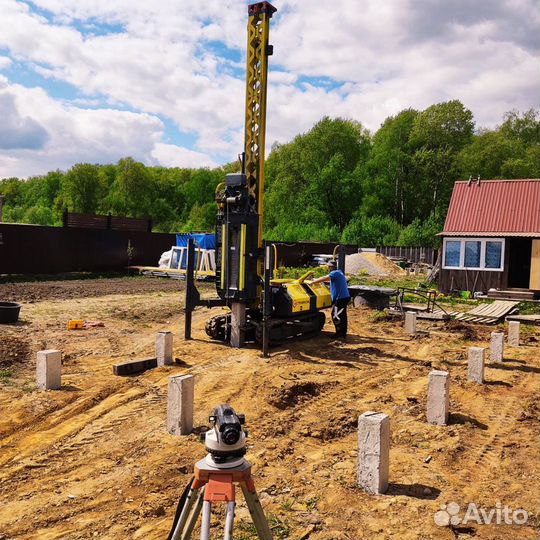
501,207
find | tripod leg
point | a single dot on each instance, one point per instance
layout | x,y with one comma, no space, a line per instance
257,513
205,522
190,499
194,516
229,521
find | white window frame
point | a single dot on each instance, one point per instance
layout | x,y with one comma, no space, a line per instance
482,241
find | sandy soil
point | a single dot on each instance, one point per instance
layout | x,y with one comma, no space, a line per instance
374,264
94,460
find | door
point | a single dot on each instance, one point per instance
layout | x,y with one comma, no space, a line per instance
519,262
535,265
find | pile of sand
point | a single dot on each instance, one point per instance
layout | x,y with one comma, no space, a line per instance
375,264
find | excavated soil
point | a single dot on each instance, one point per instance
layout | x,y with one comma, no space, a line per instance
94,460
83,288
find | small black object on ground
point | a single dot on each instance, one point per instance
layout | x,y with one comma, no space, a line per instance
9,312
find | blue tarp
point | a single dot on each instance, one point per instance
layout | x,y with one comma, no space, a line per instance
203,240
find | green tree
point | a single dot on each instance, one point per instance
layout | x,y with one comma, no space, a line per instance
314,179
439,133
512,150
371,231
524,127
201,218
422,233
39,215
81,188
389,176
485,155
131,191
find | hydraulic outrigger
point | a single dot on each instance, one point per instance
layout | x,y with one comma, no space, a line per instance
262,309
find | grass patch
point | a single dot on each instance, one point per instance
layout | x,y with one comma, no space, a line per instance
245,530
288,505
380,316
28,387
5,374
528,308
311,503
291,272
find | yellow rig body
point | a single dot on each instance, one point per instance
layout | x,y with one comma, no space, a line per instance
293,296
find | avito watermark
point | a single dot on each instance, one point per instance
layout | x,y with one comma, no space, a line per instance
452,514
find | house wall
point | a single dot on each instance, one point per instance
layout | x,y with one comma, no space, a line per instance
473,280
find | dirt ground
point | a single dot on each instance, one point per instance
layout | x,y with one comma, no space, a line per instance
83,288
94,460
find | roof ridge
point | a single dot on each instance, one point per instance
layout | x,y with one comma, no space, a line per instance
483,180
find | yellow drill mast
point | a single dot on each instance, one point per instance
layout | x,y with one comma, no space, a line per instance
288,309
258,50
239,231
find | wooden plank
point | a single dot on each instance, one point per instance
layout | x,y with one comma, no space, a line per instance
501,308
487,313
480,310
433,316
525,319
134,366
181,271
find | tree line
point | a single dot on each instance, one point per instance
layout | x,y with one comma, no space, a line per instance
336,182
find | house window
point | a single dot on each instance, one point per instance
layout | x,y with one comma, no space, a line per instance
452,253
474,254
493,254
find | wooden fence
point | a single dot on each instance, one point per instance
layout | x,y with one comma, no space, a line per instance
412,254
35,249
113,223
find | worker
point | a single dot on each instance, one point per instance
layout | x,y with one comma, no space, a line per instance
339,290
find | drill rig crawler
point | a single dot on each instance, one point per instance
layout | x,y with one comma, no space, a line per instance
286,308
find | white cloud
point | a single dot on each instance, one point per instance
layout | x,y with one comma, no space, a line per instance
73,134
5,62
170,155
163,63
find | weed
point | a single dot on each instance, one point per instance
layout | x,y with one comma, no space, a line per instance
246,530
528,308
5,374
379,316
311,503
288,505
290,272
28,387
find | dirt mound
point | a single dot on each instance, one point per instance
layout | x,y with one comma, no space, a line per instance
374,264
335,428
290,395
468,331
13,350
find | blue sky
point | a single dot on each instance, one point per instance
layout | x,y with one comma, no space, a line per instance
96,80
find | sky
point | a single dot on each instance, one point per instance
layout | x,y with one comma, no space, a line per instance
163,81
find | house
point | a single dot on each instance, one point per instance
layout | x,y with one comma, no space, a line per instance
491,238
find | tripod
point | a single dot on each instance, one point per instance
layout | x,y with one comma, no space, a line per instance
212,484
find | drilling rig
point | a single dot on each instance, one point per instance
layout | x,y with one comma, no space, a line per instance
260,305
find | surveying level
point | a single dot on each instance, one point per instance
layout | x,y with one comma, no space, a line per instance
215,478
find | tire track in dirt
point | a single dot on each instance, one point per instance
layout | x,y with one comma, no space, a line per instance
46,434
58,432
47,418
315,406
485,449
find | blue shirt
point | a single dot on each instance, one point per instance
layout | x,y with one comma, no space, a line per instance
339,289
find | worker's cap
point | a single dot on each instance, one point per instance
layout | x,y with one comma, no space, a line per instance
331,262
